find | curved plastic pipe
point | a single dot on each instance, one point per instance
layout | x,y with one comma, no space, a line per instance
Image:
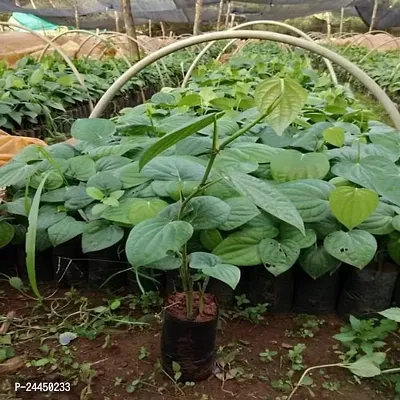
358,73
252,23
59,51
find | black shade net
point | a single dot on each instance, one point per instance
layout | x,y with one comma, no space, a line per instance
101,13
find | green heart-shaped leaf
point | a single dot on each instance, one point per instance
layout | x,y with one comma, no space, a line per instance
292,165
356,248
352,206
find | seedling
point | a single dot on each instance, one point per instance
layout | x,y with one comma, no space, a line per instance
112,200
144,353
296,357
267,355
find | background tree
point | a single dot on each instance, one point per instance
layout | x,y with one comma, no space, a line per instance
130,28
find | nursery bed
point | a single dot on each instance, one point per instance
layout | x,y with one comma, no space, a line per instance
120,357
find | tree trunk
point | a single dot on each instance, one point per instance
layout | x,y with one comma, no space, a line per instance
130,26
77,22
341,20
328,25
374,13
221,9
228,14
117,22
198,17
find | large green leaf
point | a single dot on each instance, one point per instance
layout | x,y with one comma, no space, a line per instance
311,198
6,233
291,165
130,176
151,240
15,172
393,247
111,163
207,212
142,209
210,238
286,95
381,222
364,367
269,198
49,215
122,213
312,138
334,136
65,230
242,248
93,130
392,313
81,168
388,187
105,181
368,172
356,248
289,232
54,196
255,152
193,146
76,198
182,132
18,206
174,189
211,265
100,235
316,262
242,211
230,161
352,206
173,168
54,181
278,256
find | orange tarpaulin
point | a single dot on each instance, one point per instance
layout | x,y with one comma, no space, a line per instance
11,145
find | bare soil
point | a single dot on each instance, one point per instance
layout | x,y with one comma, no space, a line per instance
115,356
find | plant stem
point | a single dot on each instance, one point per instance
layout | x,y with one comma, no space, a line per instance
390,371
298,384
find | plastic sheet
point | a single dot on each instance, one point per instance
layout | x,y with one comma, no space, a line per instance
11,145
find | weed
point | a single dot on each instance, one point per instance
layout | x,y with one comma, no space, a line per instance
307,326
267,355
364,336
144,353
296,357
244,311
332,386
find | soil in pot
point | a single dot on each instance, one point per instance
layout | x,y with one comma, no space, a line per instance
69,264
107,269
277,291
190,343
367,291
315,296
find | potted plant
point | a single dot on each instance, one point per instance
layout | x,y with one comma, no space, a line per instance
190,317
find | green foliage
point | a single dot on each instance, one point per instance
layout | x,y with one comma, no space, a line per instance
253,163
364,337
